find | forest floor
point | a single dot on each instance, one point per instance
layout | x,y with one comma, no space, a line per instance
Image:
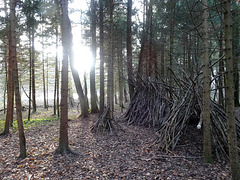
128,153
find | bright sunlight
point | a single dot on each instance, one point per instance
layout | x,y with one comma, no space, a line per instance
82,54
82,58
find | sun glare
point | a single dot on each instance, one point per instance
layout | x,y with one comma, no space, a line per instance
82,59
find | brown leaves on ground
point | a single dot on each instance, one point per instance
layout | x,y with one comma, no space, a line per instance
128,154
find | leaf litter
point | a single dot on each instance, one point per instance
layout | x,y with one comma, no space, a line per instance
129,153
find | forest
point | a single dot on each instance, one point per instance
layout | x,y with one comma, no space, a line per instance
119,89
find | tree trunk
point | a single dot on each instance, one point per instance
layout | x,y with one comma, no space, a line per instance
94,108
236,60
101,57
232,135
189,54
12,55
77,82
33,73
129,48
125,94
56,84
63,147
110,85
5,63
6,80
43,71
162,49
86,89
221,70
150,60
30,79
82,98
47,87
56,87
120,73
172,24
207,145
10,83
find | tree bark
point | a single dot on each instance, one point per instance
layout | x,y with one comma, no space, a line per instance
77,82
5,65
94,108
85,89
10,88
13,57
110,85
172,24
232,134
10,83
162,50
207,145
120,73
129,48
63,147
30,79
236,59
101,109
221,71
56,87
33,73
6,80
43,75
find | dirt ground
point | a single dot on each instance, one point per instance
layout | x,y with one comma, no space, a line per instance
127,154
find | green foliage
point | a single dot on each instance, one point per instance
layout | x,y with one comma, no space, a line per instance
30,124
2,123
31,9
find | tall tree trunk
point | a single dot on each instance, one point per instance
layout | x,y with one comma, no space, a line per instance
144,65
101,57
47,87
184,49
33,73
105,119
189,53
77,82
13,57
56,88
172,24
82,98
5,64
56,74
6,80
94,108
110,85
232,135
129,48
86,89
30,79
236,60
150,59
63,147
221,70
43,71
162,49
120,73
207,145
125,94
10,83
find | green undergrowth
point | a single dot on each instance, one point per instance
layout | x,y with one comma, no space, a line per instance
2,123
39,118
35,122
30,124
